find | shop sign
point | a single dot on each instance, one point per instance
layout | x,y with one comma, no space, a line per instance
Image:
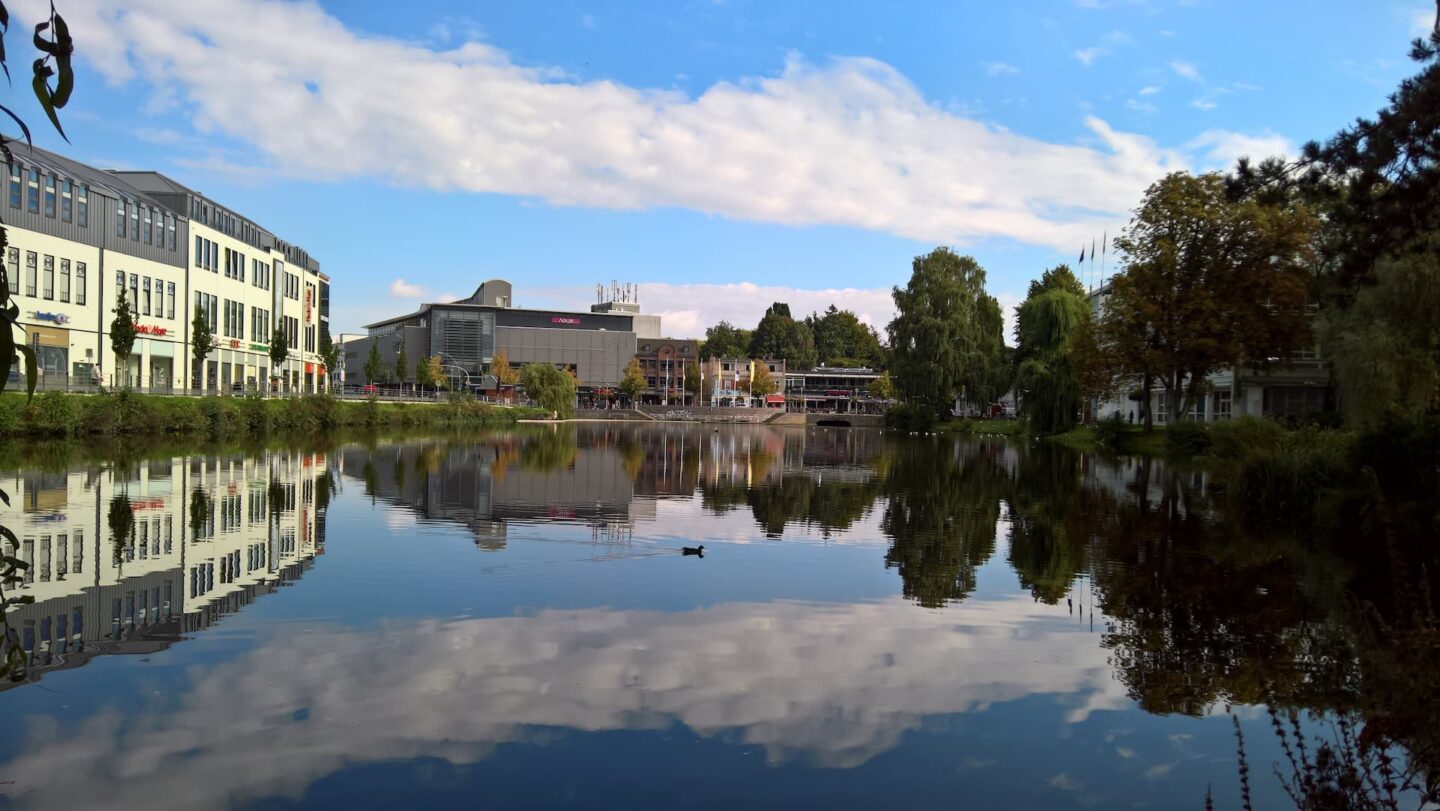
151,329
560,319
234,343
54,318
147,504
307,305
260,347
309,368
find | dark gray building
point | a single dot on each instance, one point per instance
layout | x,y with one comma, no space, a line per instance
467,335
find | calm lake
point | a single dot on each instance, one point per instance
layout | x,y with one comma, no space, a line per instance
508,620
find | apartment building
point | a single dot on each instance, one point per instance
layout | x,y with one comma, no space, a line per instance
79,235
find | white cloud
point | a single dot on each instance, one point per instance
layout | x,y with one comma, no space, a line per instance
1139,106
1219,149
1186,70
1204,103
849,143
1149,90
774,676
1087,56
403,289
999,69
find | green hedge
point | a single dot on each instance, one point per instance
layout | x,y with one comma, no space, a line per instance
60,415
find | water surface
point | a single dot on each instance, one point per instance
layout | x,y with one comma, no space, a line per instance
508,621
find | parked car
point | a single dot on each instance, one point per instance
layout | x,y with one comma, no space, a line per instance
369,388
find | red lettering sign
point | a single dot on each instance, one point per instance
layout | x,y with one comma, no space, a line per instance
150,329
563,320
234,343
307,304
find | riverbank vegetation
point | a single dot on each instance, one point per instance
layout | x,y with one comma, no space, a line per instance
122,413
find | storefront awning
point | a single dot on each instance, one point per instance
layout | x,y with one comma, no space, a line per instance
774,398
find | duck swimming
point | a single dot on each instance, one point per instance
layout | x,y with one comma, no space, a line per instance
698,551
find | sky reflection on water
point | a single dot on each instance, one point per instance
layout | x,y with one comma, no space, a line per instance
877,620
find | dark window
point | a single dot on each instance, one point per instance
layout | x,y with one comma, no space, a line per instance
32,197
67,200
50,196
148,231
15,181
134,223
119,218
199,251
82,208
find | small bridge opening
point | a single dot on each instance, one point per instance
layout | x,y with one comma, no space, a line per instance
833,422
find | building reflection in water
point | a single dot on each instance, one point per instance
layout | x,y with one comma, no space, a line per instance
125,558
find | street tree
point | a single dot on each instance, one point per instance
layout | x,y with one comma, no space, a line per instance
202,343
505,375
762,382
632,383
882,387
430,372
1208,282
947,338
780,336
123,333
402,363
374,366
279,351
694,381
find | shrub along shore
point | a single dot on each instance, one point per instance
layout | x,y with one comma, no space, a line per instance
123,413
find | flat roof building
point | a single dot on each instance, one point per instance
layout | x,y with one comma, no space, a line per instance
468,334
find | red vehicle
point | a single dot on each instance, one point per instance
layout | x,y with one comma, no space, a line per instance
369,388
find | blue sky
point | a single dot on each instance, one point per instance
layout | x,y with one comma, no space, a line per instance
720,154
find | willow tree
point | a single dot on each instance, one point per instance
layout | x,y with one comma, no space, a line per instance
948,334
1047,374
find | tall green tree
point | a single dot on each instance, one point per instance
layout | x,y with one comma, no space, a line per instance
1046,376
694,381
1209,282
841,339
947,339
279,350
725,340
550,388
374,365
123,333
329,354
780,336
202,343
402,363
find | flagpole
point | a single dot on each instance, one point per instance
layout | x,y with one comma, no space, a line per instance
1104,246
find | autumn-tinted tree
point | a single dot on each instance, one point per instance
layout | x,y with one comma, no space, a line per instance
633,381
780,336
505,375
842,340
430,372
694,380
883,387
1046,378
762,382
1209,282
947,337
725,340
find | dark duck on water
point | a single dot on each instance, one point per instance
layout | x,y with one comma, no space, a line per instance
698,551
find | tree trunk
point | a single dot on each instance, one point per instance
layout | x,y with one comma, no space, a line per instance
1145,395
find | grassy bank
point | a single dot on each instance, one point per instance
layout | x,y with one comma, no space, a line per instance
982,427
60,415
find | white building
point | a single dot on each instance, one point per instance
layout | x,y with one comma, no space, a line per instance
79,235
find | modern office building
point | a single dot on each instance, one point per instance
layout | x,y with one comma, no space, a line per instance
467,335
78,235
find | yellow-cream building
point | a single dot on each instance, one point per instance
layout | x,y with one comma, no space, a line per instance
79,236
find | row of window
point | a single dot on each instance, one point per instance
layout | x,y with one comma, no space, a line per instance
43,286
149,296
232,323
146,224
73,199
292,286
207,254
